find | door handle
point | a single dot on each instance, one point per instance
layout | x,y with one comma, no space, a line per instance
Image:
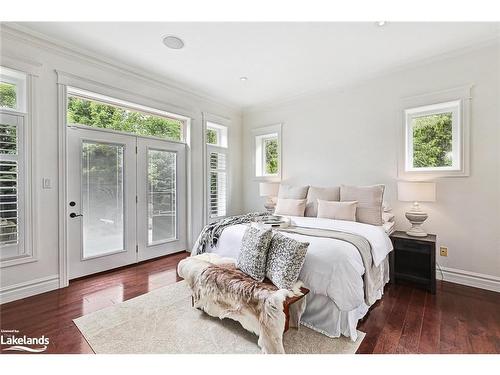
73,215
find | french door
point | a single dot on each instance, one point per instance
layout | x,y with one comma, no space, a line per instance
126,199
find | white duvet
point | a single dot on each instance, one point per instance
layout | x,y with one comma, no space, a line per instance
332,268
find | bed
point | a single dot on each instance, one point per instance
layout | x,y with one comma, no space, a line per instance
333,271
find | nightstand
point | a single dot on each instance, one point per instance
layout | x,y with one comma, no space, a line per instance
414,259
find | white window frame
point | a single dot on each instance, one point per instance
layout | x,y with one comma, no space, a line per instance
25,250
260,136
221,125
94,96
456,101
221,131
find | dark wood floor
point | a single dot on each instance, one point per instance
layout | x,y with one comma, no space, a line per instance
457,319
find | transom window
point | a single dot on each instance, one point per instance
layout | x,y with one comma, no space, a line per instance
216,134
98,111
12,90
433,138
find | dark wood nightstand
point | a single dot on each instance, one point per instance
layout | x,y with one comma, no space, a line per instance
414,259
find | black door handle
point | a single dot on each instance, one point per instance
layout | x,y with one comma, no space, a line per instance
73,215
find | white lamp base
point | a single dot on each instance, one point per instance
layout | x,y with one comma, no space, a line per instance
416,218
270,205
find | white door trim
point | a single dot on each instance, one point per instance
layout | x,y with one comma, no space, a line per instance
62,184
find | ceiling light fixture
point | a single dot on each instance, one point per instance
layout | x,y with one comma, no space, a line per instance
381,23
173,42
243,79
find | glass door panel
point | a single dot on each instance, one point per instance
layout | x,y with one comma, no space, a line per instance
161,198
102,199
162,185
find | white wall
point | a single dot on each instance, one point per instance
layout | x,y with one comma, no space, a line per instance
18,45
350,136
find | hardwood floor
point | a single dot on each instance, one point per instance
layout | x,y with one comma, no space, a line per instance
457,319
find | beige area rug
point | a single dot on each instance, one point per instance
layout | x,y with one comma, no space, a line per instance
163,321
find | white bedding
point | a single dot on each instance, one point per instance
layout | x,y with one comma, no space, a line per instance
332,268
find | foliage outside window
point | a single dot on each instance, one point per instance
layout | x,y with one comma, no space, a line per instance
433,137
432,141
271,156
212,136
8,95
106,116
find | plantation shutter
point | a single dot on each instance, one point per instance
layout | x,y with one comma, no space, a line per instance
11,185
217,182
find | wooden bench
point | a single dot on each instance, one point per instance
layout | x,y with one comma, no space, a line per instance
286,304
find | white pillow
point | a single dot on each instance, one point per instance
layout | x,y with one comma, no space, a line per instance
290,207
293,192
337,210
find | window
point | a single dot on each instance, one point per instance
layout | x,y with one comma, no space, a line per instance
435,134
217,176
12,90
216,134
433,137
85,108
14,185
268,151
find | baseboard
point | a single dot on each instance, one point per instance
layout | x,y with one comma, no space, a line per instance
29,288
477,280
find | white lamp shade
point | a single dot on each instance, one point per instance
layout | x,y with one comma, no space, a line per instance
268,189
417,191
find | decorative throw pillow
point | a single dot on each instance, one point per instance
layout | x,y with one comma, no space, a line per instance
253,253
323,193
285,260
369,210
337,210
290,207
292,192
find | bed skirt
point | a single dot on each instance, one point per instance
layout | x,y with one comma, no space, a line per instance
323,315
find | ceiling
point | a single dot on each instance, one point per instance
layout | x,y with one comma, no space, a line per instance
280,59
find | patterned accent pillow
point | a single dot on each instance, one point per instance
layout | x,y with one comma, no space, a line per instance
253,253
285,260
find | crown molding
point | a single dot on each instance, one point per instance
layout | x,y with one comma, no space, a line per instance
408,65
18,32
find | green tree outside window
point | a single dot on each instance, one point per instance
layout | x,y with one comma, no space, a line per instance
271,150
432,141
212,136
101,115
7,95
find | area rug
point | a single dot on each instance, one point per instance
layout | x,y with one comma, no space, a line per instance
163,321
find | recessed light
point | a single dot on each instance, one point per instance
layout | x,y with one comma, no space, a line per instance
173,42
381,23
243,78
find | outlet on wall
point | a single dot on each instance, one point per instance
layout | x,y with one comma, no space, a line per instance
443,251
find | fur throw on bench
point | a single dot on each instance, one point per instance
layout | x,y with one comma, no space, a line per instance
223,291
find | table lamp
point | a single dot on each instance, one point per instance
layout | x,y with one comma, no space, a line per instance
416,192
270,191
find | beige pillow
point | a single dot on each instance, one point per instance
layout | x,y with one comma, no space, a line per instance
369,198
293,192
337,210
290,207
323,193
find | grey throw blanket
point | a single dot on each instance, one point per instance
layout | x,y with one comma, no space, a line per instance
211,233
373,276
